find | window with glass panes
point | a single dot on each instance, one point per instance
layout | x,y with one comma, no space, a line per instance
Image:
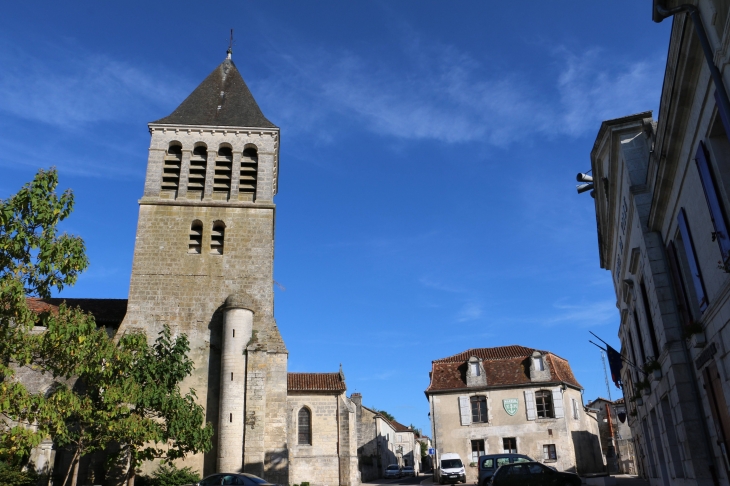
548,452
478,409
509,445
477,449
544,404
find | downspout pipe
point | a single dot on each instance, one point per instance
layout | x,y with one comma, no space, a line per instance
694,13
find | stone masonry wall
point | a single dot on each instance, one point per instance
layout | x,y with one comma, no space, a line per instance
317,463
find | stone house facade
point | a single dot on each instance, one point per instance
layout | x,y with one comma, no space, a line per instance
661,200
376,441
511,399
406,449
203,265
617,443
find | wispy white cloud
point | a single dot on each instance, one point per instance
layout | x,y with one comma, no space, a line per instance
581,315
72,87
440,93
470,311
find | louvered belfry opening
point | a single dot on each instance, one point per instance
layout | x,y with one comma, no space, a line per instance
223,169
305,426
195,243
217,237
198,166
171,169
249,171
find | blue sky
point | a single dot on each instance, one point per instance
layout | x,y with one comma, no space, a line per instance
427,199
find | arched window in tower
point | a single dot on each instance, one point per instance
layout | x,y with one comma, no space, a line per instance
305,426
171,168
196,237
198,166
223,168
249,170
216,238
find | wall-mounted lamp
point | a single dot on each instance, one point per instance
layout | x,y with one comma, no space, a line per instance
587,183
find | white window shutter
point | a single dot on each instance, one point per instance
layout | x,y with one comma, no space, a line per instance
530,404
558,403
465,410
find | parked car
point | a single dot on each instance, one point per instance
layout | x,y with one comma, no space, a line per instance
491,462
534,474
408,471
451,469
241,479
392,471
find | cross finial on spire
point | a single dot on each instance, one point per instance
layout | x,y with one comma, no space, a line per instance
230,46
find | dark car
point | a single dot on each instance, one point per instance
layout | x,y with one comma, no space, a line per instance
491,462
532,474
240,479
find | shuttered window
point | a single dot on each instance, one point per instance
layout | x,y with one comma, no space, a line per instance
305,426
198,166
464,410
171,168
195,238
558,409
724,117
530,404
683,305
719,221
248,175
217,238
692,262
223,170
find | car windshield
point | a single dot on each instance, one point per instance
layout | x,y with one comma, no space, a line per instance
451,463
391,468
408,467
255,479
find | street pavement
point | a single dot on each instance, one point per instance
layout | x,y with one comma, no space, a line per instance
427,480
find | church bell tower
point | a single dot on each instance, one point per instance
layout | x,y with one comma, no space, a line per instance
203,264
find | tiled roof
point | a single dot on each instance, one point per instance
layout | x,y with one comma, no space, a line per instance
315,382
107,312
503,366
221,100
399,427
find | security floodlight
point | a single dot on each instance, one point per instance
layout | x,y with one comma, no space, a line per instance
581,188
581,177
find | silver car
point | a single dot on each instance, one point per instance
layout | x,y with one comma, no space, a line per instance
409,471
393,471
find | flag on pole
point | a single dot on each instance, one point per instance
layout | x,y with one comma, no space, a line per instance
616,364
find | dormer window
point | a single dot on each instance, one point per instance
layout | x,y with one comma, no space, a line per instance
217,237
248,175
538,364
198,167
171,168
223,169
474,369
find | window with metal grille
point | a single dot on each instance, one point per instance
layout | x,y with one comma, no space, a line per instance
195,241
248,175
477,449
548,452
509,444
217,237
198,166
223,168
305,426
544,404
171,168
478,408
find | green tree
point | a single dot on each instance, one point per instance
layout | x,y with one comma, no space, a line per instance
385,414
34,259
178,422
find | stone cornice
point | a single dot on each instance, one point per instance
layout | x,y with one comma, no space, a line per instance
206,203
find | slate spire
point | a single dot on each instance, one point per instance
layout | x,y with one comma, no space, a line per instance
221,100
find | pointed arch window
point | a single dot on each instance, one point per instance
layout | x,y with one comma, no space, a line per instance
196,237
217,237
198,166
171,168
223,168
248,175
304,423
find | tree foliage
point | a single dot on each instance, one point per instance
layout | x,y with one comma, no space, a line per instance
105,392
170,475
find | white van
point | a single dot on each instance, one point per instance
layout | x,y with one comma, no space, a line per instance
451,469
